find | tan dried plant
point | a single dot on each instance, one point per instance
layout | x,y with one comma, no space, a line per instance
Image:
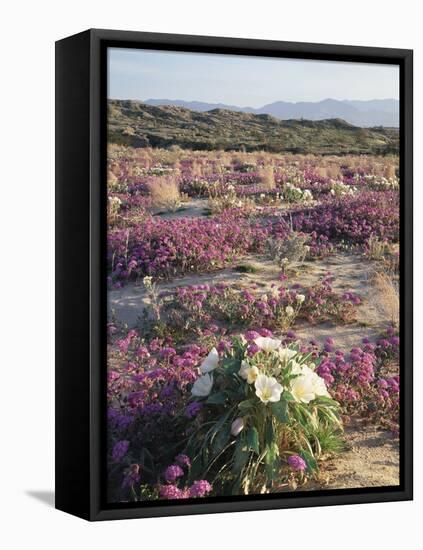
388,296
267,177
165,193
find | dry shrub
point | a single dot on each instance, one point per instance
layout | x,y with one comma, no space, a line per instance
334,171
321,171
267,178
388,296
164,192
111,178
286,251
377,249
113,209
390,171
331,171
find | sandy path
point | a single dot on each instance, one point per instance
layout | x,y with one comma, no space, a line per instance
371,460
194,208
351,272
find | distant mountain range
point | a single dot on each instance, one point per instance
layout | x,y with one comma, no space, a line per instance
366,114
138,124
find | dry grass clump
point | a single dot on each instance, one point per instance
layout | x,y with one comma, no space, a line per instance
390,171
388,296
113,210
164,192
286,251
377,249
332,171
267,178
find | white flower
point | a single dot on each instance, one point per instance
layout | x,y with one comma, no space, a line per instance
308,385
202,386
267,344
302,389
319,385
289,310
248,372
296,368
268,389
147,281
285,354
300,298
237,426
210,362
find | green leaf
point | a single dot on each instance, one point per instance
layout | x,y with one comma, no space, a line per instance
310,460
253,439
216,399
327,401
240,456
245,405
305,358
271,461
231,365
280,410
287,396
269,433
221,440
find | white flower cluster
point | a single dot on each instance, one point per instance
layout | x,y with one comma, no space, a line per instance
295,194
340,189
305,386
381,183
115,202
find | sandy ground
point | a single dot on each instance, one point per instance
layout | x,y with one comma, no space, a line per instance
352,273
371,460
194,208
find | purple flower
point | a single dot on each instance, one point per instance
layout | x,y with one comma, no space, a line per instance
167,352
132,476
142,351
251,335
265,333
119,450
252,349
193,409
183,460
297,463
173,472
170,492
199,488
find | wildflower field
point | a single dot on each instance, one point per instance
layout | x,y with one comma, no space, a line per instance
253,322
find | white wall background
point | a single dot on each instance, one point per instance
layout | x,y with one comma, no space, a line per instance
28,32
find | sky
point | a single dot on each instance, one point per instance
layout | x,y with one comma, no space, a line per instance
243,80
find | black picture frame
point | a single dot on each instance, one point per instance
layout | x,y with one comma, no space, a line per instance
81,281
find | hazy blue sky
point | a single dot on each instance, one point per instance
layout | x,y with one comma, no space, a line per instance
243,81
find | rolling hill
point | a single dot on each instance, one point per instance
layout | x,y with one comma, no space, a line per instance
140,125
375,112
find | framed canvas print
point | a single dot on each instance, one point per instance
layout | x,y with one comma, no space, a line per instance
234,274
